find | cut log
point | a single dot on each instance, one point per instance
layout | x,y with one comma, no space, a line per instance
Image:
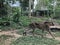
58,27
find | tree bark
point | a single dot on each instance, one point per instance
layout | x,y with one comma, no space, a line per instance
30,8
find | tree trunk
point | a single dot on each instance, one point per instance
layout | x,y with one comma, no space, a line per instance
30,8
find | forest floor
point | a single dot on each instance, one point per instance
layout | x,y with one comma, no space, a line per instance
9,40
15,36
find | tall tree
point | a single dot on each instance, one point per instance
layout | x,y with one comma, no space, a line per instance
24,4
3,8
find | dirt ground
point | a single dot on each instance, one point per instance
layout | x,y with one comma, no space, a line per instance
49,36
16,36
10,33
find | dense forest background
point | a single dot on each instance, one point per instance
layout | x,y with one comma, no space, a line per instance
16,15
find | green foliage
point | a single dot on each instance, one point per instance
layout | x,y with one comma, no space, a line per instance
16,14
16,18
3,10
4,37
24,4
25,20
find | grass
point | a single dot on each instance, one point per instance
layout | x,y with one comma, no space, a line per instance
4,37
58,21
57,34
31,40
25,20
37,31
35,40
